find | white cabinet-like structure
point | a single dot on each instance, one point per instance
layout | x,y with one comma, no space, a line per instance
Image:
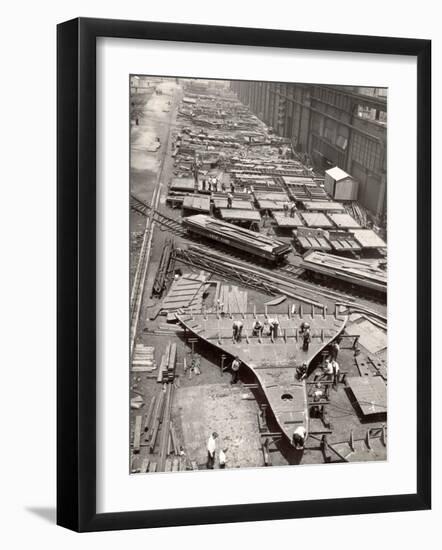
340,185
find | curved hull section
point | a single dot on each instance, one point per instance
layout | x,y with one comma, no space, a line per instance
273,362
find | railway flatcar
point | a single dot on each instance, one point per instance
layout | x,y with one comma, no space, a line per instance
249,242
354,272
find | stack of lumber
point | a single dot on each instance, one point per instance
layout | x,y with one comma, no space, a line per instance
231,299
143,358
166,371
163,269
231,234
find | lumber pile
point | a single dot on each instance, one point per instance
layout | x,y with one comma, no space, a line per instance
163,269
143,359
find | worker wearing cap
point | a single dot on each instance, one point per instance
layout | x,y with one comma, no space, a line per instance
304,326
286,206
211,448
237,330
229,200
299,436
292,209
236,363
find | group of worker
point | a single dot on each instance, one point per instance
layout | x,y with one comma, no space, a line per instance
289,208
210,184
211,453
258,328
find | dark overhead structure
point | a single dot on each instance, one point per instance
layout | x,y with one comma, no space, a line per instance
340,126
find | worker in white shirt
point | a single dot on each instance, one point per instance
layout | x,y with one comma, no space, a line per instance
335,372
318,394
327,369
299,436
211,449
222,458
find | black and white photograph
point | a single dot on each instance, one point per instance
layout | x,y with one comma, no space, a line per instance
258,274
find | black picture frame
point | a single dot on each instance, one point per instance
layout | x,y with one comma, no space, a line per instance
76,273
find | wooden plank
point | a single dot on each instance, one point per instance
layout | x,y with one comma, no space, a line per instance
156,424
148,415
144,466
166,425
137,433
143,369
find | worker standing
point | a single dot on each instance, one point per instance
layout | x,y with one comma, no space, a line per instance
236,363
211,449
318,394
286,208
195,171
229,200
292,209
306,339
299,436
335,371
237,330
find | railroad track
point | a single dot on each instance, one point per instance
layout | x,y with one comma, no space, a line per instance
288,272
144,209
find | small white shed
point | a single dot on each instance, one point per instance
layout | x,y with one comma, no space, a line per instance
340,185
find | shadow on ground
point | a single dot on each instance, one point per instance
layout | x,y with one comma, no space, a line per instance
46,513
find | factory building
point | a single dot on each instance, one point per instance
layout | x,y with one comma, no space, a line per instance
334,125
